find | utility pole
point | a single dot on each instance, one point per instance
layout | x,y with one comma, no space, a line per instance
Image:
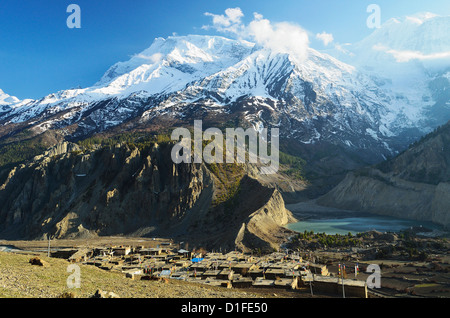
342,277
48,251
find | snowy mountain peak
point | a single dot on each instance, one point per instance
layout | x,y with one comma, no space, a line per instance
197,54
6,99
424,36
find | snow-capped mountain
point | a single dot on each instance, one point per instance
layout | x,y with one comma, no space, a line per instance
422,37
5,102
169,65
313,100
409,58
6,99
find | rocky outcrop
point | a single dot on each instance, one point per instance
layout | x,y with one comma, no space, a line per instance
60,149
263,227
68,192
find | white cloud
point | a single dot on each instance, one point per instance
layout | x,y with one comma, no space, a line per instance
414,20
342,49
326,38
404,56
234,15
420,18
155,58
283,37
257,16
230,22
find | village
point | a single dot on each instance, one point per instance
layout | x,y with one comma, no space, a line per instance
234,269
409,265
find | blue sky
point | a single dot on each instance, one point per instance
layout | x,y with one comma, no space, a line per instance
39,54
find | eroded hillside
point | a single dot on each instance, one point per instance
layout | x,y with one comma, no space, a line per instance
72,191
413,185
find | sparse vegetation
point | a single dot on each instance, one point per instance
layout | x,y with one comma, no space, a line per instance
132,139
294,166
18,152
230,176
326,240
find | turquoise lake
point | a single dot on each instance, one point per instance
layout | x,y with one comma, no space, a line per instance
356,225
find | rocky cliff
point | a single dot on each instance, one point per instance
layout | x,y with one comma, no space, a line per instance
413,185
69,192
252,220
261,229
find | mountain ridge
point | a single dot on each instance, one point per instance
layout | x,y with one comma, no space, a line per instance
252,71
412,185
